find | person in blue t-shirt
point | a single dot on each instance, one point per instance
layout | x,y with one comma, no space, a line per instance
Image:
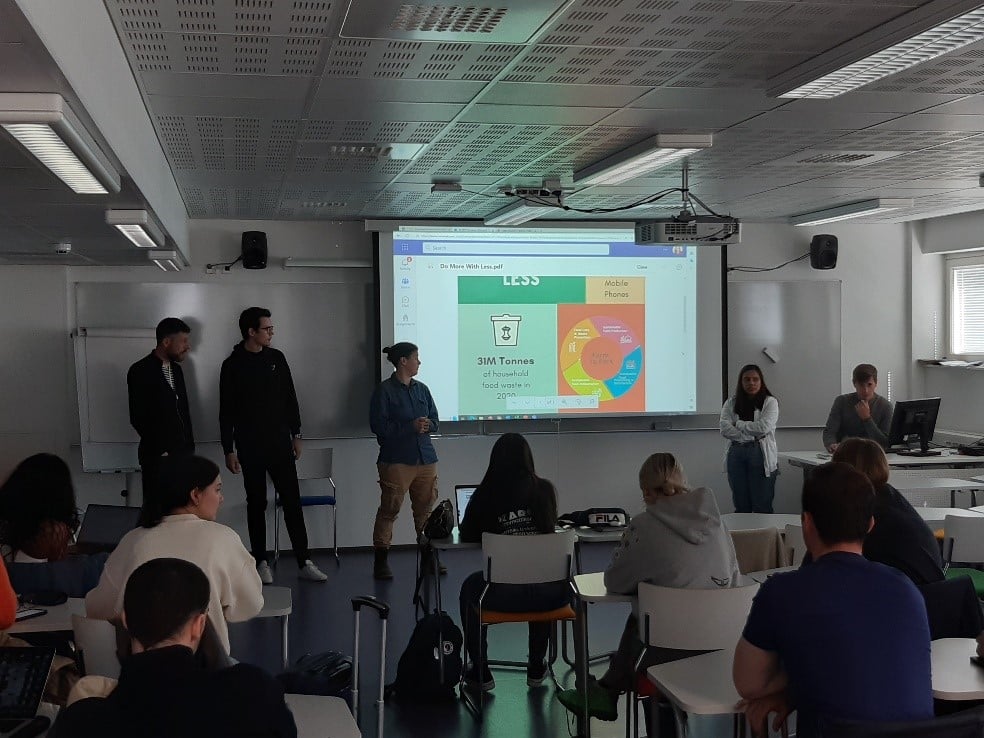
844,638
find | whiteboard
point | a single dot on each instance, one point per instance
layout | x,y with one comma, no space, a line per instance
326,331
800,325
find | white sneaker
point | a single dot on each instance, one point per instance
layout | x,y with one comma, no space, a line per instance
263,569
312,573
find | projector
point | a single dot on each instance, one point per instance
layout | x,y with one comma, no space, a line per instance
688,229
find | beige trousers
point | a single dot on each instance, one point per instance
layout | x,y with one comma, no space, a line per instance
395,480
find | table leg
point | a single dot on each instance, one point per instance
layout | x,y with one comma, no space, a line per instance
436,562
581,670
283,641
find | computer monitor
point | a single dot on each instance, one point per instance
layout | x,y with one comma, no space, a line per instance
914,418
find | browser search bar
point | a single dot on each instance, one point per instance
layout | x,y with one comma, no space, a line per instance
451,248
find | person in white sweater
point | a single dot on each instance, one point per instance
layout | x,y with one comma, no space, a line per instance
183,526
677,541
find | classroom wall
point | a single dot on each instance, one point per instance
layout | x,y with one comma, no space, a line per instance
588,468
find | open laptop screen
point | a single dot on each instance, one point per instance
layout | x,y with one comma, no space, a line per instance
104,525
462,495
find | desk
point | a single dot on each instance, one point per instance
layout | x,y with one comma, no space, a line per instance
954,677
755,521
277,603
590,589
930,484
700,685
938,514
806,460
58,618
761,576
318,716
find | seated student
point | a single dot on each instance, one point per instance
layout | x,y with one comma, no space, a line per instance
38,517
677,541
859,414
511,500
181,523
162,690
900,538
844,638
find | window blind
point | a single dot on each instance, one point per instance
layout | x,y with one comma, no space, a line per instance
967,309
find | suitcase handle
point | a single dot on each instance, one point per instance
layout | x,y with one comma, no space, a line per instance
381,607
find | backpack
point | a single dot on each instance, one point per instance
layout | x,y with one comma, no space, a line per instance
418,671
599,518
328,673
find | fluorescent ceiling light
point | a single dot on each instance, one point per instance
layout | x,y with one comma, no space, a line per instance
642,158
168,261
916,44
137,225
290,262
521,211
45,125
853,210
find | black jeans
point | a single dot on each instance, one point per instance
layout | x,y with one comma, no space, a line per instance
283,473
510,598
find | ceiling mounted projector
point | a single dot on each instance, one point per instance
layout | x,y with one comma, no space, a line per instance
692,230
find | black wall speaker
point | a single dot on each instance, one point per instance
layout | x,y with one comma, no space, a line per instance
255,250
823,252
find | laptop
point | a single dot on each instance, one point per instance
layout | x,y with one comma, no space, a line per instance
462,495
23,675
104,525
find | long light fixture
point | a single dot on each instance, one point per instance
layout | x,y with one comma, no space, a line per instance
522,211
44,124
852,210
139,226
291,262
911,39
166,260
642,158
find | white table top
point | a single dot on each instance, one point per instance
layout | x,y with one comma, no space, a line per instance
58,618
317,716
753,521
938,514
591,588
978,479
815,458
954,677
761,576
700,685
589,535
911,484
277,601
452,541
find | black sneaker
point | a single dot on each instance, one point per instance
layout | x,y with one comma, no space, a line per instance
535,674
471,680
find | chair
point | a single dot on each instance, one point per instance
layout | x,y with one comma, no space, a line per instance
95,644
795,544
685,621
315,463
952,608
523,560
964,724
964,542
759,549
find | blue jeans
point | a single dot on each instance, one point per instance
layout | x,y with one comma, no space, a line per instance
751,489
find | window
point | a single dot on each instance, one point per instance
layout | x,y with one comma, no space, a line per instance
966,301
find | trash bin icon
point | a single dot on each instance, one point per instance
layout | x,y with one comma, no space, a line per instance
505,329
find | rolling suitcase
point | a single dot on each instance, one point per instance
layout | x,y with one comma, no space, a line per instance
382,609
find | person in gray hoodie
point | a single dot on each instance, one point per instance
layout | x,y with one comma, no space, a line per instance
677,541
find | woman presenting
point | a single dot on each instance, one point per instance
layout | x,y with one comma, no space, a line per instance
748,420
402,415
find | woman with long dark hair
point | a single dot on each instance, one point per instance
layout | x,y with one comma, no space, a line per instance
38,518
511,500
748,421
180,523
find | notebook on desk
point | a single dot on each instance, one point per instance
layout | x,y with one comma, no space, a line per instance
23,675
104,525
462,495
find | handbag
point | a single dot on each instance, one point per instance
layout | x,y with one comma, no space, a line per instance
439,523
598,518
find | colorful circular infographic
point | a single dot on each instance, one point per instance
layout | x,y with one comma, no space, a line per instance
601,356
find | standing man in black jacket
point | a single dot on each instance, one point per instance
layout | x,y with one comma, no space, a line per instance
261,434
159,402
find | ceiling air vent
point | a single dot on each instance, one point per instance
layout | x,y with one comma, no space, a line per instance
352,150
498,22
833,158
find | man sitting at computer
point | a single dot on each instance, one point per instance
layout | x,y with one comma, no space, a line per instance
859,414
162,691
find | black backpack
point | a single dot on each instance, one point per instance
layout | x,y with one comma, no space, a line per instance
418,673
328,673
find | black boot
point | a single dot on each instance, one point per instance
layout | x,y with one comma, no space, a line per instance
427,562
380,568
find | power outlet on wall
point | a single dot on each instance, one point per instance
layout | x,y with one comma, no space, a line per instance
210,269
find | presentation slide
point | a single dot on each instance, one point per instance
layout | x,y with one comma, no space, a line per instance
517,323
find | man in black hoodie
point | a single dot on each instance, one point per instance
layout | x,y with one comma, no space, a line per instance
159,402
261,434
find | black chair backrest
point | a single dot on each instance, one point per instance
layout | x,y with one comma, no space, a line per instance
953,608
966,724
